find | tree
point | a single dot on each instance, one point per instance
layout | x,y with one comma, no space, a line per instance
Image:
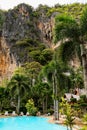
42,56
53,72
32,70
44,92
68,30
83,40
18,85
4,99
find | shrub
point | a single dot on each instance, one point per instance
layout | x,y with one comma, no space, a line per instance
31,107
51,111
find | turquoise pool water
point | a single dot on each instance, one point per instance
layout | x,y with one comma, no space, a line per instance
28,123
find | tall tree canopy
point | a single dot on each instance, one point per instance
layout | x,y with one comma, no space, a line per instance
67,29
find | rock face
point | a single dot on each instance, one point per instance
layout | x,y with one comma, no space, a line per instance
18,24
22,23
7,61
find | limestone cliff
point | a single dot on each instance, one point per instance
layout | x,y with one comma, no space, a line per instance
20,24
22,28
7,61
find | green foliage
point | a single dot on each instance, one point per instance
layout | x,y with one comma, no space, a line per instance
48,54
73,100
77,78
83,97
28,49
31,107
35,14
2,18
63,81
5,99
83,101
68,112
32,69
26,42
65,52
74,10
68,29
44,93
43,89
85,118
65,27
85,122
42,56
83,22
18,86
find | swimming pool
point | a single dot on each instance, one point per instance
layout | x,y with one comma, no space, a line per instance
28,123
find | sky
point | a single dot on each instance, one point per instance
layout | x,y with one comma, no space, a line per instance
9,4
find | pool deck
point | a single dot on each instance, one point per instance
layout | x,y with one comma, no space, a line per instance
77,126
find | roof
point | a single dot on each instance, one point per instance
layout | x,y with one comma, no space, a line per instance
69,96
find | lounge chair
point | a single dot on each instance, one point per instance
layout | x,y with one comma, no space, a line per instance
21,114
49,114
38,113
14,114
27,114
6,113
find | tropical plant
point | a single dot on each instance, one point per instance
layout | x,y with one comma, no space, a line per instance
32,70
42,56
4,99
53,72
77,78
68,30
85,122
44,92
31,107
67,110
69,119
18,86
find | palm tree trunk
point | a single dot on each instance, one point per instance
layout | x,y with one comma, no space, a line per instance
53,80
70,127
55,93
46,102
18,106
84,64
43,106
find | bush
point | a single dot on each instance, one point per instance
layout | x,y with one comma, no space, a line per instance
73,100
30,107
51,111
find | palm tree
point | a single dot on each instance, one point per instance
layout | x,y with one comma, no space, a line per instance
68,30
43,91
18,85
54,74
